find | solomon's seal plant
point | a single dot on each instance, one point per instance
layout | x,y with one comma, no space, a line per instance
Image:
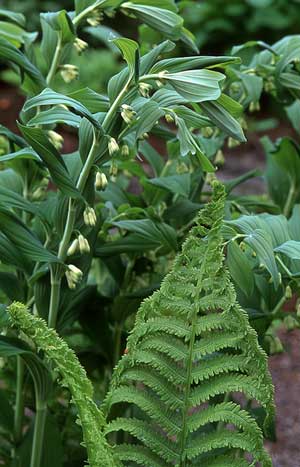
190,349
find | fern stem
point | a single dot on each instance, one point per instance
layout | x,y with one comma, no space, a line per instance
185,409
38,435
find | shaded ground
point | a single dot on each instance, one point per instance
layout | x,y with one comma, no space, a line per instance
285,370
285,367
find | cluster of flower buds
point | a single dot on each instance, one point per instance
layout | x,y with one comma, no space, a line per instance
113,170
40,192
269,84
169,118
125,150
254,106
291,323
275,345
207,131
69,72
145,89
79,244
89,216
95,18
80,45
127,113
100,181
73,276
233,143
219,159
56,139
113,146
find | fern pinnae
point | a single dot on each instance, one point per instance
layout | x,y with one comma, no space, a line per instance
91,419
193,337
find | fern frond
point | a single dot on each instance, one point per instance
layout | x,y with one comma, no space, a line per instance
191,347
91,419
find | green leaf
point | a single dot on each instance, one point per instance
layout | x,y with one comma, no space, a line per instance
10,347
11,199
240,269
23,238
152,156
159,233
223,120
232,106
291,248
92,100
12,137
287,156
17,18
147,117
293,112
13,33
261,243
196,85
11,53
11,286
192,119
176,184
165,21
130,52
52,159
62,23
253,85
86,135
55,115
11,255
6,412
49,97
26,153
175,65
150,58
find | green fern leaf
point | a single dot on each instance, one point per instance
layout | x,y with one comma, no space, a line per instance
190,351
91,419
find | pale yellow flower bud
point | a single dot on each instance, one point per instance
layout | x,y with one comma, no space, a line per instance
84,246
89,216
73,248
56,139
125,150
69,72
113,146
127,113
100,181
80,45
145,89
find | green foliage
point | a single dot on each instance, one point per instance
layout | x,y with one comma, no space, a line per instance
191,344
87,235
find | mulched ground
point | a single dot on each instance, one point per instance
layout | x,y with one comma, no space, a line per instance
285,367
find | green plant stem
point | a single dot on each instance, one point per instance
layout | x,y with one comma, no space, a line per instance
278,306
55,61
38,435
19,409
72,209
54,298
289,200
83,14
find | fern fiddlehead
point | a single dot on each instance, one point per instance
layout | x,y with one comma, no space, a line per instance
74,377
190,349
